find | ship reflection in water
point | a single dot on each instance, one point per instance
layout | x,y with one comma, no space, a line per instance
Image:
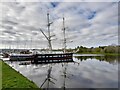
82,72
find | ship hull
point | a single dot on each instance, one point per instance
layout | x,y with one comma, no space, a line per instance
43,58
51,58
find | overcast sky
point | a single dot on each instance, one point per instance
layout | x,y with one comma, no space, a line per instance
87,23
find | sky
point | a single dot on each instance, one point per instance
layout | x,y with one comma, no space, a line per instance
89,23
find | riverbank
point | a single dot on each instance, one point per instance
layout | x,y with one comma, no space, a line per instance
0,75
13,79
110,54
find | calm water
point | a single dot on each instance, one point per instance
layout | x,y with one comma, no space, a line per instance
87,71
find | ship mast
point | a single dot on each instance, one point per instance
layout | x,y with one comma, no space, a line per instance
64,41
48,78
49,37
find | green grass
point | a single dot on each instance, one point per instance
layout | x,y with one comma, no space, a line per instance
0,75
113,54
13,79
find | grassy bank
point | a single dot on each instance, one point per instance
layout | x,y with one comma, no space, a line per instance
112,54
13,79
0,75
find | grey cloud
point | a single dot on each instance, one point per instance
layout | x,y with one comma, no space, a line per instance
9,32
8,27
9,22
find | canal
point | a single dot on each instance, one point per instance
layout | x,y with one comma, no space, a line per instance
86,71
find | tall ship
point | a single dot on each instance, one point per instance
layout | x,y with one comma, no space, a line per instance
50,56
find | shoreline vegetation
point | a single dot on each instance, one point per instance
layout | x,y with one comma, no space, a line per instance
105,50
13,79
106,54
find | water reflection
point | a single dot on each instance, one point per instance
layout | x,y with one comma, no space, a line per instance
84,72
110,59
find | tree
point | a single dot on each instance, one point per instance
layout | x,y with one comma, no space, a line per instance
110,49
